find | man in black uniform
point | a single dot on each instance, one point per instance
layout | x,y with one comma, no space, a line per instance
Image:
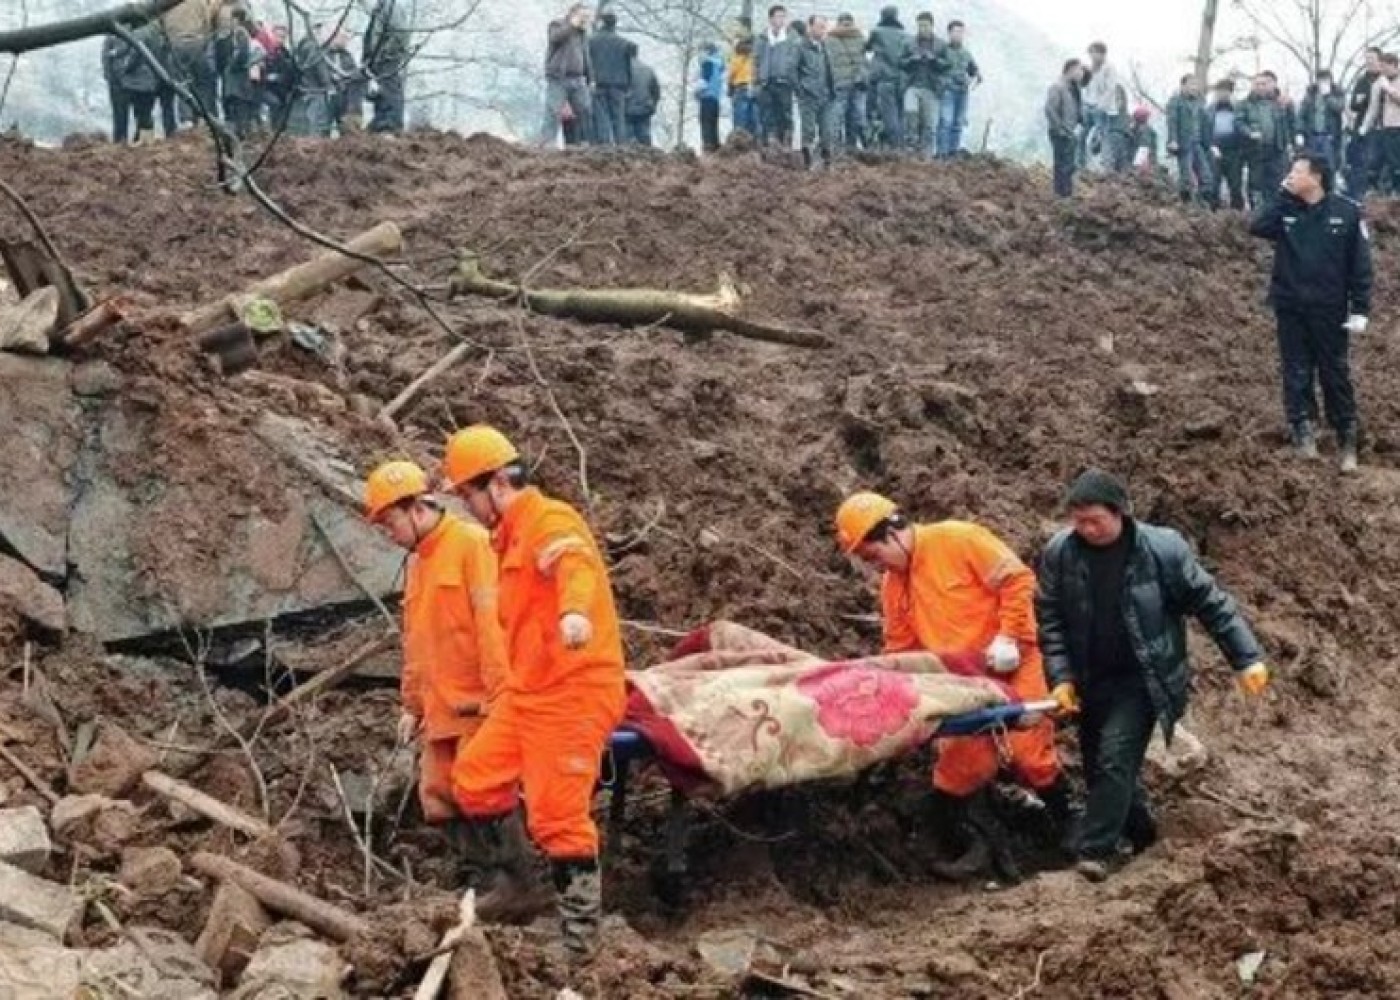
1321,294
1358,155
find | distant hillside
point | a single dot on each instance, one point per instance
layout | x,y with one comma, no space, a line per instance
484,74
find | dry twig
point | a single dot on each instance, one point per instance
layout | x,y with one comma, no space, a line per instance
1034,984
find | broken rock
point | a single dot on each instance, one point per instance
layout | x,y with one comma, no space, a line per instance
38,449
37,903
25,328
149,871
98,823
231,933
114,765
24,839
34,966
161,965
23,594
290,964
1186,756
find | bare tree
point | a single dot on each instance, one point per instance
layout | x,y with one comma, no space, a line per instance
1321,34
1205,47
681,26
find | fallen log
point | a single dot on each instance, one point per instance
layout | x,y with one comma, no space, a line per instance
410,392
206,805
635,307
325,918
301,281
92,324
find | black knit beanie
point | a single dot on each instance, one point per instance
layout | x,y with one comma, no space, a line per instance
1094,486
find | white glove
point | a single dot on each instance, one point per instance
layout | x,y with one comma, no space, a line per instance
408,728
1003,656
576,630
372,88
1356,324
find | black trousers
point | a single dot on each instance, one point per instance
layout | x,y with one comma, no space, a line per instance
1267,169
121,114
1230,167
777,114
1064,152
1313,345
709,124
1115,728
143,107
1385,160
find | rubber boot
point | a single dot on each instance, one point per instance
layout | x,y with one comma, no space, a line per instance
579,886
512,894
983,818
1059,815
953,827
1304,440
1349,461
1141,827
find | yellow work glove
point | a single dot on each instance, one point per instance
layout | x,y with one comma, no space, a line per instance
1254,679
1067,697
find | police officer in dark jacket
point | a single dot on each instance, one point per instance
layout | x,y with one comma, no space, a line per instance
1321,294
612,57
1111,604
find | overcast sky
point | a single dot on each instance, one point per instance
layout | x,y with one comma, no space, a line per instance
1131,27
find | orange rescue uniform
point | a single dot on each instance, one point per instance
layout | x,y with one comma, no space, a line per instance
454,649
964,588
548,728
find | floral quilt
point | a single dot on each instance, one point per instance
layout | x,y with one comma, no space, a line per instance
745,711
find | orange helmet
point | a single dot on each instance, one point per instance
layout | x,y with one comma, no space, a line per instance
858,516
475,451
391,483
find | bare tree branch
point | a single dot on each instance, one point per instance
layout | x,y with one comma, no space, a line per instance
44,36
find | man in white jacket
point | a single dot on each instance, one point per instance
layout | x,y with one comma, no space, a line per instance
1106,108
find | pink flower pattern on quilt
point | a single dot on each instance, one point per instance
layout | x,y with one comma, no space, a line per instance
860,704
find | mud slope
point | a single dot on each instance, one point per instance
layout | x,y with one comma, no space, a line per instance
989,344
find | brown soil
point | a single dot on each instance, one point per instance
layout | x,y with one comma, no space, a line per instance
988,340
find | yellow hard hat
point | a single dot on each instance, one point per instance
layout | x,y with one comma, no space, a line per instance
858,516
475,451
391,483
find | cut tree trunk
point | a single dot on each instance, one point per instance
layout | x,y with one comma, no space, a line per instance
206,805
332,921
301,281
635,307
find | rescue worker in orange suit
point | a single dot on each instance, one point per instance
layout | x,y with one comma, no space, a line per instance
454,650
955,588
564,693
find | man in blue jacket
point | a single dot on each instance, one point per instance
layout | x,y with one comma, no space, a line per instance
709,92
1111,606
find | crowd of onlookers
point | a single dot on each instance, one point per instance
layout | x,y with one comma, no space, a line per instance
252,74
1228,149
830,87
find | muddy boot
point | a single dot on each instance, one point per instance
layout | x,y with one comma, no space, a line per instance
953,828
1349,461
983,818
580,898
1304,440
512,893
1059,816
1140,830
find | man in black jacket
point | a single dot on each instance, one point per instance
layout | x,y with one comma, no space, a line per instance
1112,598
385,59
1358,154
1321,294
612,57
642,101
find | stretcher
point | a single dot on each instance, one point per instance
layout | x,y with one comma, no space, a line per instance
628,749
